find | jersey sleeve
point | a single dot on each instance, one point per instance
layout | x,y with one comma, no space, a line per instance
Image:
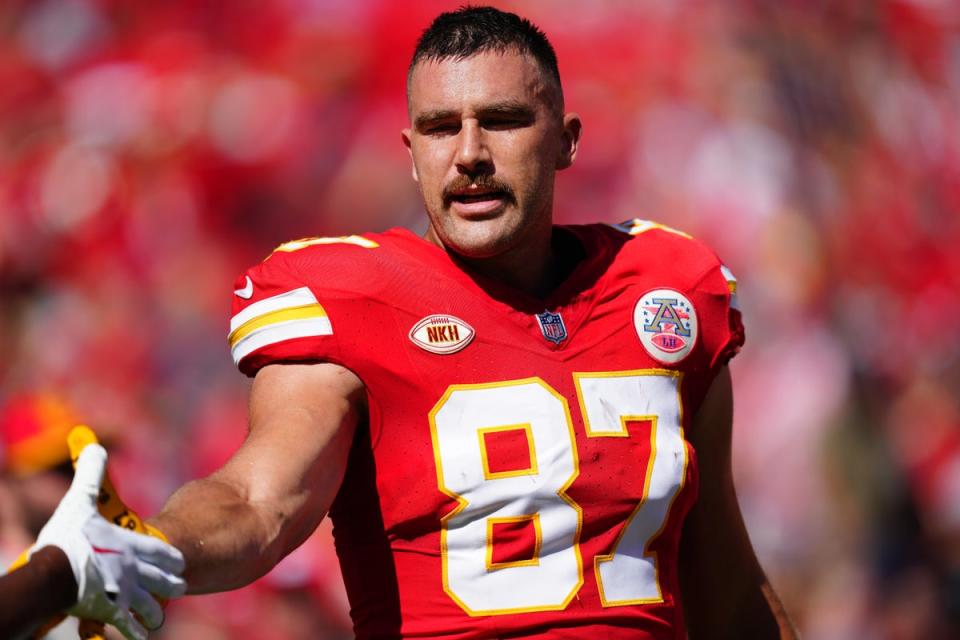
723,332
737,335
278,318
710,283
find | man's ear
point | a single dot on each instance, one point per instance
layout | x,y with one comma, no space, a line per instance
405,134
572,128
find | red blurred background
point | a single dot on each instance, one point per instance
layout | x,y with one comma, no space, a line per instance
150,151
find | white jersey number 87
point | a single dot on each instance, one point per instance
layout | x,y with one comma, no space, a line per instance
537,495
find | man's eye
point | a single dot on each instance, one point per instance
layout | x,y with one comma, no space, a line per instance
441,129
503,124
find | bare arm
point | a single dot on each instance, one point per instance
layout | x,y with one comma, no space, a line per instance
725,592
236,524
48,573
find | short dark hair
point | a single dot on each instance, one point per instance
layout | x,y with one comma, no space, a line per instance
471,30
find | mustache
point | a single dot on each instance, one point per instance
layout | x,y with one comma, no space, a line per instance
485,182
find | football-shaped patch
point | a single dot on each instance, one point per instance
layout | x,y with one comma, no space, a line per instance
441,334
666,323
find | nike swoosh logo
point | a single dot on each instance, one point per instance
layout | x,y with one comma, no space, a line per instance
247,292
101,550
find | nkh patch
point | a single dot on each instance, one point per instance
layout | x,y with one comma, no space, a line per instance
441,334
552,327
666,323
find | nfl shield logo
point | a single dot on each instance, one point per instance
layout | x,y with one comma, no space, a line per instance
551,324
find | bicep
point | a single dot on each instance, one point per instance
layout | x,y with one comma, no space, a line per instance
302,420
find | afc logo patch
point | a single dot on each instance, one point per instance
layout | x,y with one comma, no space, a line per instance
666,324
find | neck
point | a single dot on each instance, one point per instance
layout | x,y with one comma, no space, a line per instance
531,270
536,267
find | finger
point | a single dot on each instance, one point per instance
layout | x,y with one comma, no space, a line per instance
110,585
147,607
159,582
116,587
79,437
155,551
125,624
91,465
89,630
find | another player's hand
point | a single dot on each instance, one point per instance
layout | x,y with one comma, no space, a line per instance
116,569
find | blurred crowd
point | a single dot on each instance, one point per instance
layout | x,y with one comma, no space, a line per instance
149,152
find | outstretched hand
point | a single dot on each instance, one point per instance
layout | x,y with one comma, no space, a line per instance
116,570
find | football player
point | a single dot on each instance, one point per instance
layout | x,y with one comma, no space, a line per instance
519,429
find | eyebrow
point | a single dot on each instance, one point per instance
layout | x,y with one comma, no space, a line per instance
505,108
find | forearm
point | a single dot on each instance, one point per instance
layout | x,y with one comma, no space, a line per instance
226,540
34,593
753,610
725,591
235,525
785,625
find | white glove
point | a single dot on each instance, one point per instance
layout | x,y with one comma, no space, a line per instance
116,569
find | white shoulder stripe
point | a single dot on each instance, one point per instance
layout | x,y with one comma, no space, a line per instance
731,286
728,274
271,334
287,300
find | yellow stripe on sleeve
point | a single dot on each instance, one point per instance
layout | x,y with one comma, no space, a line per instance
730,278
731,286
282,315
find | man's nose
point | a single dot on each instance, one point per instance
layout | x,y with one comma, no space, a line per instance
473,155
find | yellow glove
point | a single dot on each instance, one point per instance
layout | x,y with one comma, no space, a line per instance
112,508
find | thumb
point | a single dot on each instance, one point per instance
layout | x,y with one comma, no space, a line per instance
91,466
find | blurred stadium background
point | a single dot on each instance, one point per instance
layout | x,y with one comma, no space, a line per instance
149,151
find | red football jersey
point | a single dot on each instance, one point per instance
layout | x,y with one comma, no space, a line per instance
523,469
